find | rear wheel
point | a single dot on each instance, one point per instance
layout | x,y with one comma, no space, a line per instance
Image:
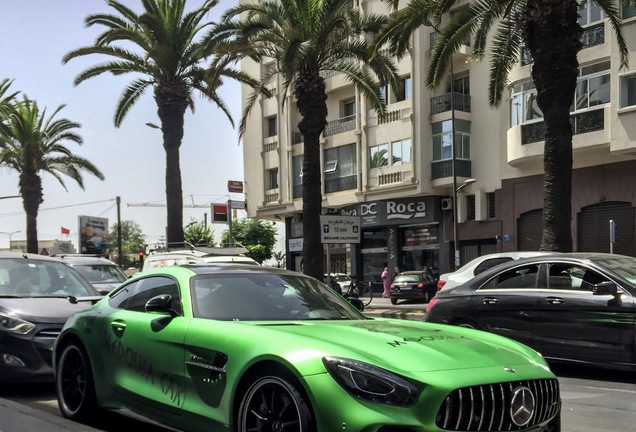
272,403
465,324
393,301
74,384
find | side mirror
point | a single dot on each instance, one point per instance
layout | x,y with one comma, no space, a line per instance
605,288
161,304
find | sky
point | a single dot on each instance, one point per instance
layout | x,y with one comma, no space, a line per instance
34,36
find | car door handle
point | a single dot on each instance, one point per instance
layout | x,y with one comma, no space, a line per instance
118,326
555,300
490,300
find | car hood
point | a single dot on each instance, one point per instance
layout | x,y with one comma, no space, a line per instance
409,345
41,309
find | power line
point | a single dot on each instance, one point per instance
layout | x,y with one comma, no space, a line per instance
57,208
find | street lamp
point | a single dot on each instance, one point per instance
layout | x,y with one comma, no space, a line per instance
455,196
10,234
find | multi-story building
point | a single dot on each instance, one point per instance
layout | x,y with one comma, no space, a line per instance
396,172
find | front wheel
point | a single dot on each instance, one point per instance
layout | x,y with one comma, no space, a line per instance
272,403
365,293
74,384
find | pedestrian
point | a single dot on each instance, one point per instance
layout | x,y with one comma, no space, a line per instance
387,280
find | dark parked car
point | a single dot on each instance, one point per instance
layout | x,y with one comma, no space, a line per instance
576,307
419,285
34,305
102,273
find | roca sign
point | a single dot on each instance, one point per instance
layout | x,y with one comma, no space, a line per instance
394,211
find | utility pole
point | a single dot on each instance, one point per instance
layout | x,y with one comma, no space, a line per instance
120,258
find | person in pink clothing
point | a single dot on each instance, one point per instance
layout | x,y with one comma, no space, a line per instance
387,280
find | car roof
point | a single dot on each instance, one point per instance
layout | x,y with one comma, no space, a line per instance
86,259
212,268
28,256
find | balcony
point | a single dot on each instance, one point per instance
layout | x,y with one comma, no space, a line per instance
272,196
444,169
588,121
441,104
343,124
341,184
592,36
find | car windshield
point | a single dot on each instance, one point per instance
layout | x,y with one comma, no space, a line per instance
100,273
340,278
258,297
407,278
621,265
34,278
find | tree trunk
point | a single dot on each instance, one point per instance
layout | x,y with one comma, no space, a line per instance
31,191
552,34
171,106
311,99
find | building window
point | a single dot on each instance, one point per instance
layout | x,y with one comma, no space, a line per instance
271,125
593,86
405,92
470,207
461,85
348,108
629,11
592,89
490,202
383,94
397,153
442,142
590,12
297,176
340,168
627,88
272,178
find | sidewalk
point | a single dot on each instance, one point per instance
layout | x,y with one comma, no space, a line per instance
15,417
379,310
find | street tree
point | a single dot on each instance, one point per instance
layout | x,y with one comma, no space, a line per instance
255,235
306,39
199,234
133,239
550,31
161,48
35,143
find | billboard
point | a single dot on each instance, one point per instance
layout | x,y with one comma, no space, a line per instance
93,235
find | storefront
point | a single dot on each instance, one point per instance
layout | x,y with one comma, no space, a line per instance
399,234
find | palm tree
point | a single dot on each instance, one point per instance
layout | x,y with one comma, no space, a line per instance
5,105
34,144
549,29
307,38
169,59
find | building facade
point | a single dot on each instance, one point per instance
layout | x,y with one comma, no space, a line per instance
396,172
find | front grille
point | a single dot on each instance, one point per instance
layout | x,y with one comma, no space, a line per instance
487,407
49,333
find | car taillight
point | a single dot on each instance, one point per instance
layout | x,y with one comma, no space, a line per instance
431,303
440,284
420,285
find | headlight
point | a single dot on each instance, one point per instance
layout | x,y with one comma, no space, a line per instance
12,324
370,383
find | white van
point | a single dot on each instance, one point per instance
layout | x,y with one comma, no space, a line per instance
198,255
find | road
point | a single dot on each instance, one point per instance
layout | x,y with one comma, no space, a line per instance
593,400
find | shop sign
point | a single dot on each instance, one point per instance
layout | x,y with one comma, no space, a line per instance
295,245
395,212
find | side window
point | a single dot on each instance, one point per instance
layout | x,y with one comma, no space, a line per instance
490,263
515,278
560,277
138,293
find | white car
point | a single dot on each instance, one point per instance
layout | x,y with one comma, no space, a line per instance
199,255
473,268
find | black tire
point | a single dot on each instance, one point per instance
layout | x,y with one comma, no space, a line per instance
393,301
365,293
75,385
465,324
272,401
426,297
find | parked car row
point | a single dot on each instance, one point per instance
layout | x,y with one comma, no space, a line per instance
244,347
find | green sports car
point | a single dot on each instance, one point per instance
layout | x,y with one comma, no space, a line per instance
246,348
